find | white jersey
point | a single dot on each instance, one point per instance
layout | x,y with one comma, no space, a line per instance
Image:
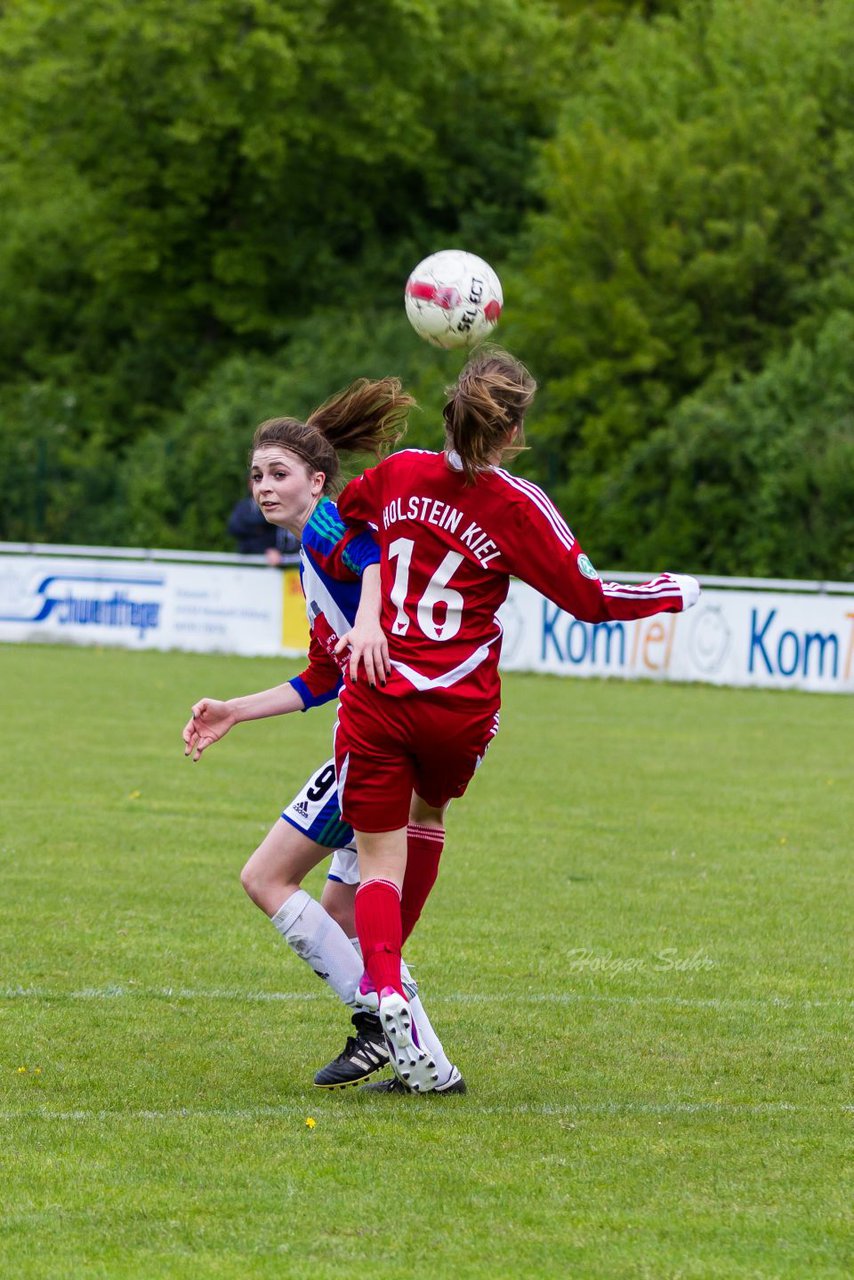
315,812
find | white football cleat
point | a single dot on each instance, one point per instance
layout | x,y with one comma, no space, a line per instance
412,1064
454,1084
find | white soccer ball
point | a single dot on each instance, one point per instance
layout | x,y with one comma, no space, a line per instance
453,299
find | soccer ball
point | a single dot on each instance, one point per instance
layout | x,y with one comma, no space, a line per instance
453,299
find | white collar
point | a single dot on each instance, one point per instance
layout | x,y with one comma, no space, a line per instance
455,462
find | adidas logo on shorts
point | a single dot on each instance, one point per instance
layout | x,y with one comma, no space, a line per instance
301,807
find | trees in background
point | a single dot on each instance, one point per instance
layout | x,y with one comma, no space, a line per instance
185,186
693,251
207,214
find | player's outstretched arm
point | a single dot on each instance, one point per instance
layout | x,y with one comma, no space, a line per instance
689,587
546,554
211,719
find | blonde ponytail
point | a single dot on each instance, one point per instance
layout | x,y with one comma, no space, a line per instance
490,398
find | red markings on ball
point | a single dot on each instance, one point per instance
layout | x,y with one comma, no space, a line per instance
445,297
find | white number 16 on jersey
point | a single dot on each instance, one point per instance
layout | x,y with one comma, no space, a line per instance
437,593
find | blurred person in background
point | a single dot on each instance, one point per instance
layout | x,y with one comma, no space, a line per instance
255,536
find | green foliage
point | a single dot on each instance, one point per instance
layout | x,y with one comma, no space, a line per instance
752,475
696,214
180,482
177,180
207,213
185,191
58,478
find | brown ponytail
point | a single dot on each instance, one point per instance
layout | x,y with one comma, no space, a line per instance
489,399
366,417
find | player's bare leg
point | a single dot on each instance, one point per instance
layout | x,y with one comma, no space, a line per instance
278,866
273,878
339,901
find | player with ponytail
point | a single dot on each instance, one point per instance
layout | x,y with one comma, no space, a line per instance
452,528
294,468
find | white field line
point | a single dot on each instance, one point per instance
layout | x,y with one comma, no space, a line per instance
303,1110
458,997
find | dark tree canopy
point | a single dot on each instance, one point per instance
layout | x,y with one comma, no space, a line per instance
208,211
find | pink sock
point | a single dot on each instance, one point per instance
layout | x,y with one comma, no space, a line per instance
378,927
423,850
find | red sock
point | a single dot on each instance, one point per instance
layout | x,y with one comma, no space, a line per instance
423,850
378,927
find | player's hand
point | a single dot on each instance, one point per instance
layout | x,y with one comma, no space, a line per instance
210,721
368,645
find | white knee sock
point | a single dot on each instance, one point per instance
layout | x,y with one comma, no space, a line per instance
428,1036
321,942
425,1027
430,1040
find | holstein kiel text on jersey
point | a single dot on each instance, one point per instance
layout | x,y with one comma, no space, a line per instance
434,511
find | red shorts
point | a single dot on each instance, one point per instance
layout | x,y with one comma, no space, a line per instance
387,747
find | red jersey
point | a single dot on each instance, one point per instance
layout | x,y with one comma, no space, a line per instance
448,550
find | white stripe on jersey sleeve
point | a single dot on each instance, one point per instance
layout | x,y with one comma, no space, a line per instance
543,504
661,586
317,593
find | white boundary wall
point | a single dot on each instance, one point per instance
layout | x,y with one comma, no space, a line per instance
771,634
150,600
742,632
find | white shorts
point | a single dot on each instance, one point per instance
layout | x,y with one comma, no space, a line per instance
316,813
344,866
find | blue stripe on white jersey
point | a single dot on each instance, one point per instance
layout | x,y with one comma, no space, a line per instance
337,600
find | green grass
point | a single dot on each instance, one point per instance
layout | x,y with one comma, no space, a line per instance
636,952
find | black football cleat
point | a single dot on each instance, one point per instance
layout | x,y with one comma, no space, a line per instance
363,1054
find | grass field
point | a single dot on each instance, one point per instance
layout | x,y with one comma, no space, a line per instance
636,953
